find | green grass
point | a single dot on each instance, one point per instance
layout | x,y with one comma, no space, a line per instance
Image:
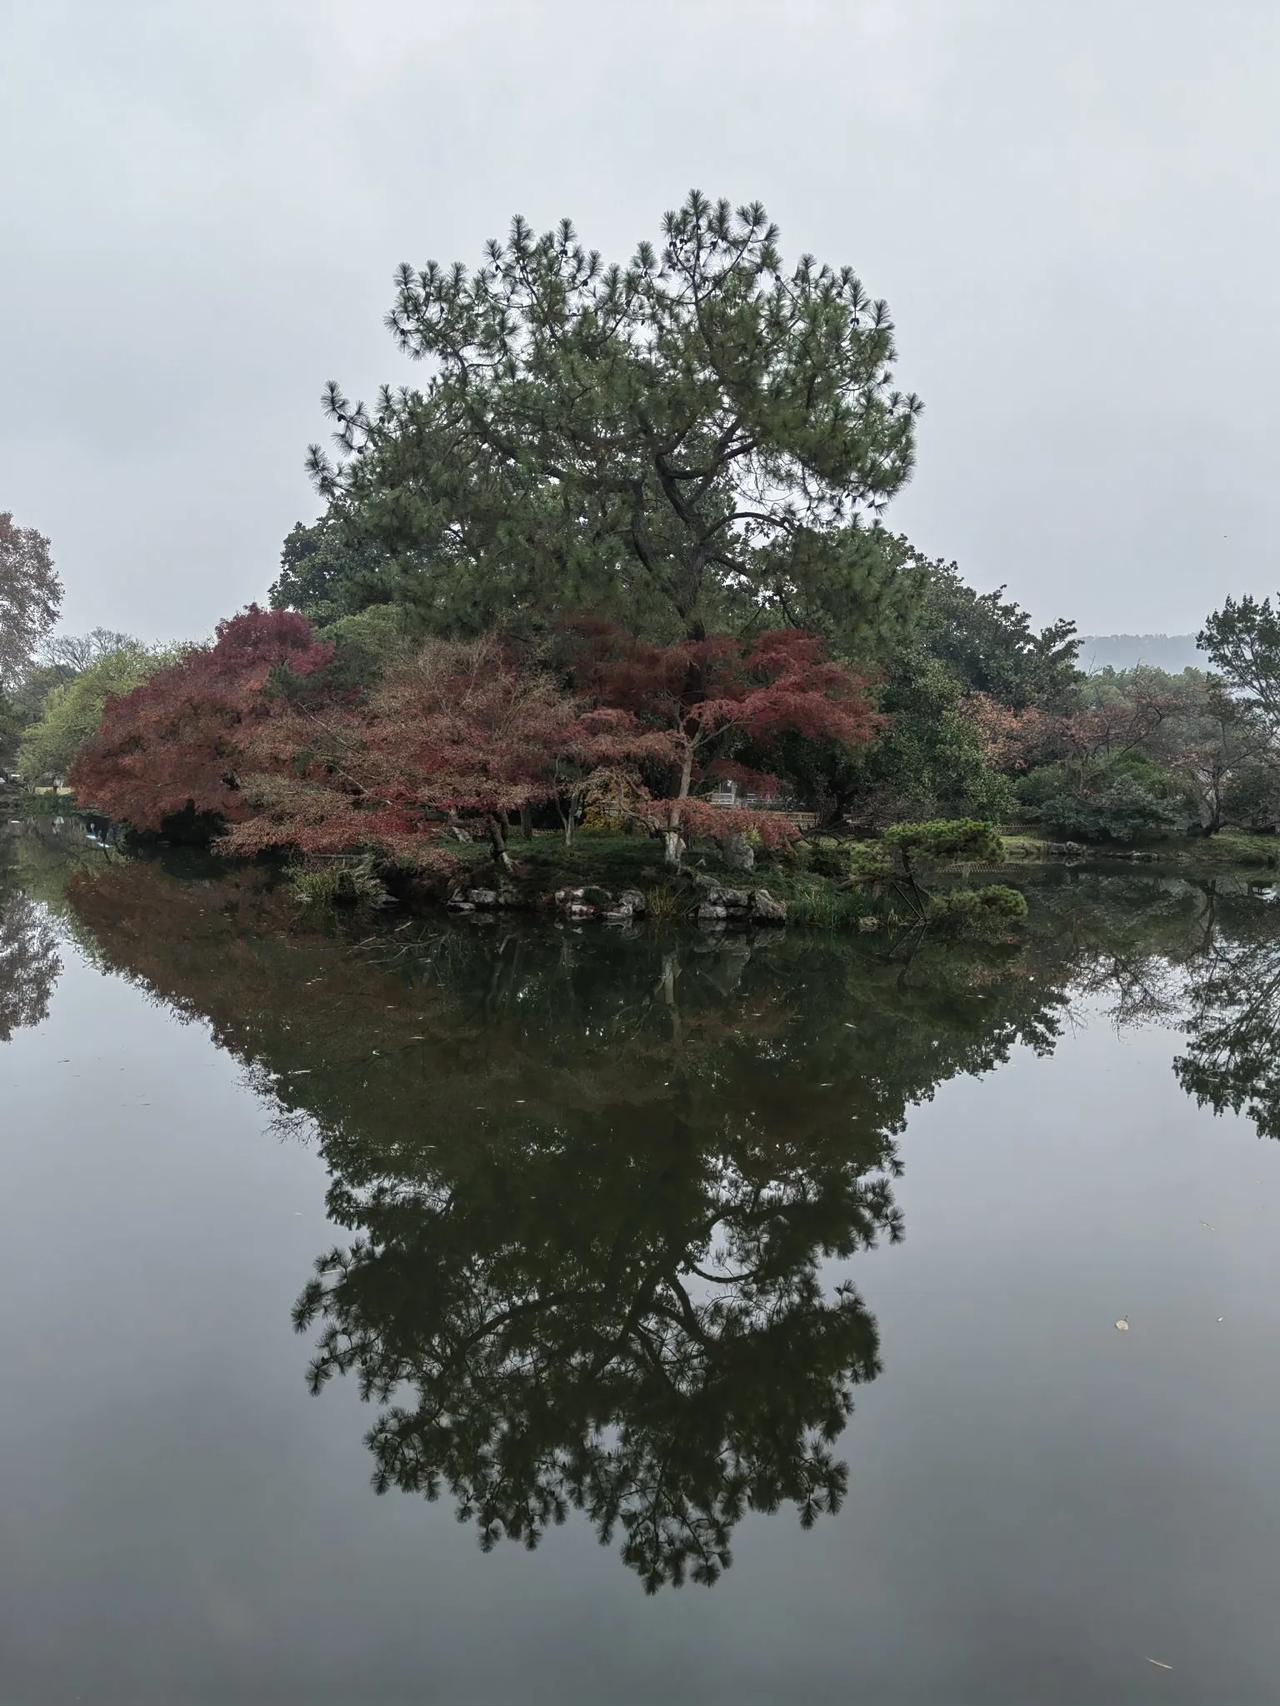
622,861
1024,847
821,906
337,882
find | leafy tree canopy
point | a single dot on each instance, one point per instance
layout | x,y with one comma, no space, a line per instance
176,742
989,644
73,711
1243,643
30,597
686,442
10,733
454,729
933,760
327,572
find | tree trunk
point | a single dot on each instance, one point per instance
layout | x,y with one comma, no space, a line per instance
526,822
1210,816
672,840
686,777
498,842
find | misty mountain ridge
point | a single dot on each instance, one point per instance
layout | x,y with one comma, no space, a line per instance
1172,652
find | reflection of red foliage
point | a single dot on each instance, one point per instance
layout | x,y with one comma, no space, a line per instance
179,739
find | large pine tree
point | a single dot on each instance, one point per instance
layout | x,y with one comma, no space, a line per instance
696,441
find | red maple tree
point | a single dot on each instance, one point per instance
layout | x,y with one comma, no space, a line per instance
1016,740
455,735
178,742
702,698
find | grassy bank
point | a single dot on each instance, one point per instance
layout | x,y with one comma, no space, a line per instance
616,862
826,885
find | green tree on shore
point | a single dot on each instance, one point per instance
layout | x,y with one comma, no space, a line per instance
1243,643
72,714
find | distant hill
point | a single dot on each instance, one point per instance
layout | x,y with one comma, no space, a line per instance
1174,652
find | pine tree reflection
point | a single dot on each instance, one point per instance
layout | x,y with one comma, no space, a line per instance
604,1196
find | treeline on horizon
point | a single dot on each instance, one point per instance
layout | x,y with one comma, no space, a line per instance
623,549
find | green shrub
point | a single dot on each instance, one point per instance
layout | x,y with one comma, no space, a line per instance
1122,801
829,858
931,760
869,863
31,804
944,841
1123,811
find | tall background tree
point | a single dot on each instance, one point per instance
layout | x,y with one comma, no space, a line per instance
111,665
78,652
990,645
1243,643
30,597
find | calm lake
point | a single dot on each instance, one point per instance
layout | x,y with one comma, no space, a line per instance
723,1320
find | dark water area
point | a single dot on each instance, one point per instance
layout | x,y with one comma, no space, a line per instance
721,1319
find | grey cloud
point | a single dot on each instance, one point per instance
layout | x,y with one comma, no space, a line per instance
1070,210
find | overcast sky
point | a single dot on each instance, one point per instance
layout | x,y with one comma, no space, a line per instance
1071,209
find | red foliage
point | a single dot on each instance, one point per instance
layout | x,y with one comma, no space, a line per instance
455,732
699,820
703,694
179,740
1016,740
1113,725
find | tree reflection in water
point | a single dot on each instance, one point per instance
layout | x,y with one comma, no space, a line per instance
1202,958
595,1186
1232,1023
29,962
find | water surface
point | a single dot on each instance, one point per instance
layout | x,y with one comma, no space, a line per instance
723,1320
